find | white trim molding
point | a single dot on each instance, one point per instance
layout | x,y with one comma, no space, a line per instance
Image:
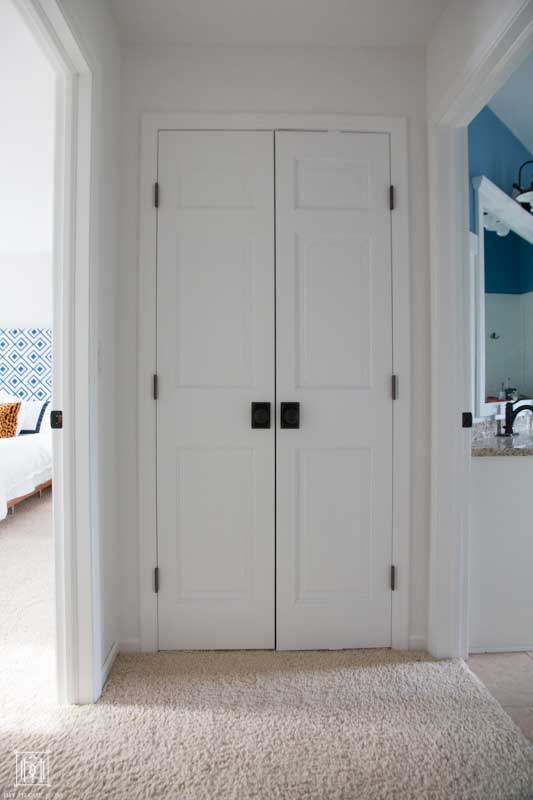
417,642
490,198
451,326
503,207
511,648
450,367
488,68
77,578
397,131
129,646
108,663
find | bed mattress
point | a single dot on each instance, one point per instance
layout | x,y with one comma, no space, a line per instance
25,463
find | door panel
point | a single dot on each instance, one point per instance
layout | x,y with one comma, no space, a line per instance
334,357
334,285
215,356
334,490
218,354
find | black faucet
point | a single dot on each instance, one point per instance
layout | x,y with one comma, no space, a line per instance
510,416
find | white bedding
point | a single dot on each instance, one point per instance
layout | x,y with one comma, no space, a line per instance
25,463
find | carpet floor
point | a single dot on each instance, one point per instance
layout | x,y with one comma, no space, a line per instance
350,725
27,658
345,725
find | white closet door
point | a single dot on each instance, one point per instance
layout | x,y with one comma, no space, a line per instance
334,357
215,356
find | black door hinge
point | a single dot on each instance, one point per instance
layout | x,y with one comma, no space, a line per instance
391,198
156,580
155,386
393,577
156,194
467,419
394,387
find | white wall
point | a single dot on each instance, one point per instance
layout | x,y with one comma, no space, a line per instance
27,92
94,28
357,81
26,293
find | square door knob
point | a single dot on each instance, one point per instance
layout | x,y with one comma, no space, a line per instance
289,415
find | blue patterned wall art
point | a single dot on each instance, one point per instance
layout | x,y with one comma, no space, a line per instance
26,362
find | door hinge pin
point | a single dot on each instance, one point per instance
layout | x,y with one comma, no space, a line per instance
393,577
155,386
156,194
394,387
156,580
391,198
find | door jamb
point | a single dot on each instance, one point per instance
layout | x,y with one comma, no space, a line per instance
451,371
76,556
396,128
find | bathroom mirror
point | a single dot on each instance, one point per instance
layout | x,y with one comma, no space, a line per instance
503,305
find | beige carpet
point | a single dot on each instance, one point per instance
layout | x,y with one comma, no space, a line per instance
26,600
199,726
360,725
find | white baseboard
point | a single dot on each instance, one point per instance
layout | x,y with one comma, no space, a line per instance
510,648
417,642
130,646
133,645
108,663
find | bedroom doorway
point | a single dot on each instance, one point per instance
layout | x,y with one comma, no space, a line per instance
27,605
50,358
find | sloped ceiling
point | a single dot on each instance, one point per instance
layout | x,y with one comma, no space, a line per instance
363,23
513,104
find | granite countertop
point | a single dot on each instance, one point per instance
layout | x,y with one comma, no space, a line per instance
520,445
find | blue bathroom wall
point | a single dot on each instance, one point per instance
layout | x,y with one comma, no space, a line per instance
494,151
526,267
503,256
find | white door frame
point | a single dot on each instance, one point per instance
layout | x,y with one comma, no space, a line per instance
451,370
77,579
146,345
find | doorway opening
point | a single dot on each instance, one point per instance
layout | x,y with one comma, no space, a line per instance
456,369
46,360
27,617
500,617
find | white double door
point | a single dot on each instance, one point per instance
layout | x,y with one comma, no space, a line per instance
274,286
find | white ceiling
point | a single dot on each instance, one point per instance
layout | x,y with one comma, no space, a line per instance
362,23
512,104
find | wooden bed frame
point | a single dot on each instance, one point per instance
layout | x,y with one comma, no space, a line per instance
17,500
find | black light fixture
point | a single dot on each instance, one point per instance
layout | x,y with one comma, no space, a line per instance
521,195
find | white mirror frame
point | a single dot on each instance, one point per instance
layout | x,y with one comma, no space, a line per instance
488,197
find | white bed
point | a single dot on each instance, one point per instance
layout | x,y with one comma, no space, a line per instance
25,465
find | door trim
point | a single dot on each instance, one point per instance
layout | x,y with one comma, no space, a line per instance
396,127
76,558
503,49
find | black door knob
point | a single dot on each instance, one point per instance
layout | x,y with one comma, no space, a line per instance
260,415
289,415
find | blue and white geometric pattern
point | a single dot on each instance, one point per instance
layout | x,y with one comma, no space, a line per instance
26,362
